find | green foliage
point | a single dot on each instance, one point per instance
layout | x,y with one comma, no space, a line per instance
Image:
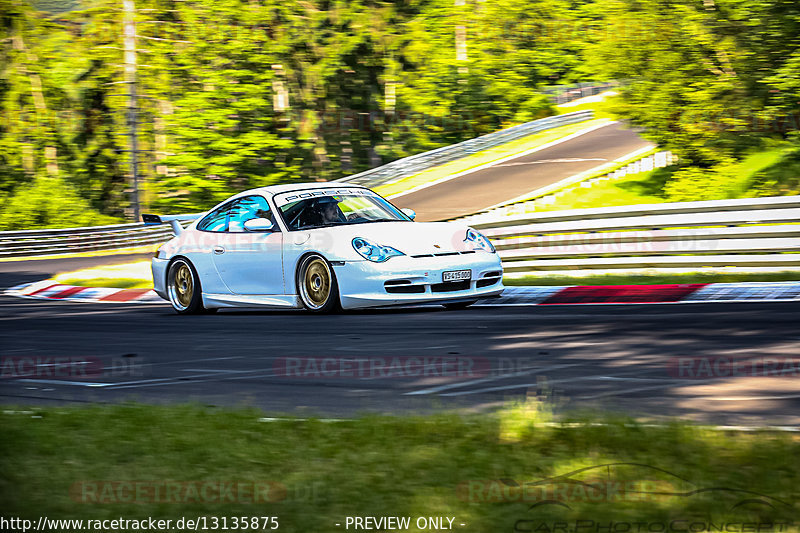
58,119
780,178
772,172
711,81
48,202
360,84
692,183
236,94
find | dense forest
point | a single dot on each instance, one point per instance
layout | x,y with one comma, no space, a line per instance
234,94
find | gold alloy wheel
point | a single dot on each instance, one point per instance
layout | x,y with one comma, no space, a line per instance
315,286
181,288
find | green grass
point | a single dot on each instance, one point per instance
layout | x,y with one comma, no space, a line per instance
388,466
570,194
484,157
134,275
649,279
761,173
642,188
541,279
602,109
118,283
774,171
147,249
144,281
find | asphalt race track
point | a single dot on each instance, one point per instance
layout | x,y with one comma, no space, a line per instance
412,360
640,359
498,183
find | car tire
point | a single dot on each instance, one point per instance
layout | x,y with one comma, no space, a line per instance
458,305
183,288
317,285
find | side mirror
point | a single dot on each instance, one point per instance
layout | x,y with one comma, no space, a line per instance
258,224
410,213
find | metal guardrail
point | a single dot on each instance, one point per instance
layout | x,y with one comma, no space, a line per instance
751,232
407,166
77,240
562,94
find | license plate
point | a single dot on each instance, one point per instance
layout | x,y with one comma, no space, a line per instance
456,275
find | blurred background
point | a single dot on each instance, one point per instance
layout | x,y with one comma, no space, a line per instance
111,108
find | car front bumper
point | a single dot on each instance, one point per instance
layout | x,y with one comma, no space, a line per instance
364,283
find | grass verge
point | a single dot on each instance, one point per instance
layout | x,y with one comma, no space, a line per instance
772,171
114,283
643,188
650,279
137,276
148,249
478,469
761,173
602,104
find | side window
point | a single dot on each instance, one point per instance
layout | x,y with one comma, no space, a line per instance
217,220
248,208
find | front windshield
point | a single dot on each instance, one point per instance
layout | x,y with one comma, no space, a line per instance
319,208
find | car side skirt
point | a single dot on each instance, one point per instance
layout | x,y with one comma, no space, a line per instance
275,301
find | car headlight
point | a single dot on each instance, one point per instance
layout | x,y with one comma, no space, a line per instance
374,252
478,241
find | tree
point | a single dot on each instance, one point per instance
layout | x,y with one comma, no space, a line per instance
709,81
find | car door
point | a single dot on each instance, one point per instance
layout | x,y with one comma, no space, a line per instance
249,262
209,231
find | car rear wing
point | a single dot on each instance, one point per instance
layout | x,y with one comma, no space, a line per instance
173,220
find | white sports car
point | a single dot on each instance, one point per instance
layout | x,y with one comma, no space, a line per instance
321,247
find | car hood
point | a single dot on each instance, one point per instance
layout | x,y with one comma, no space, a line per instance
411,238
